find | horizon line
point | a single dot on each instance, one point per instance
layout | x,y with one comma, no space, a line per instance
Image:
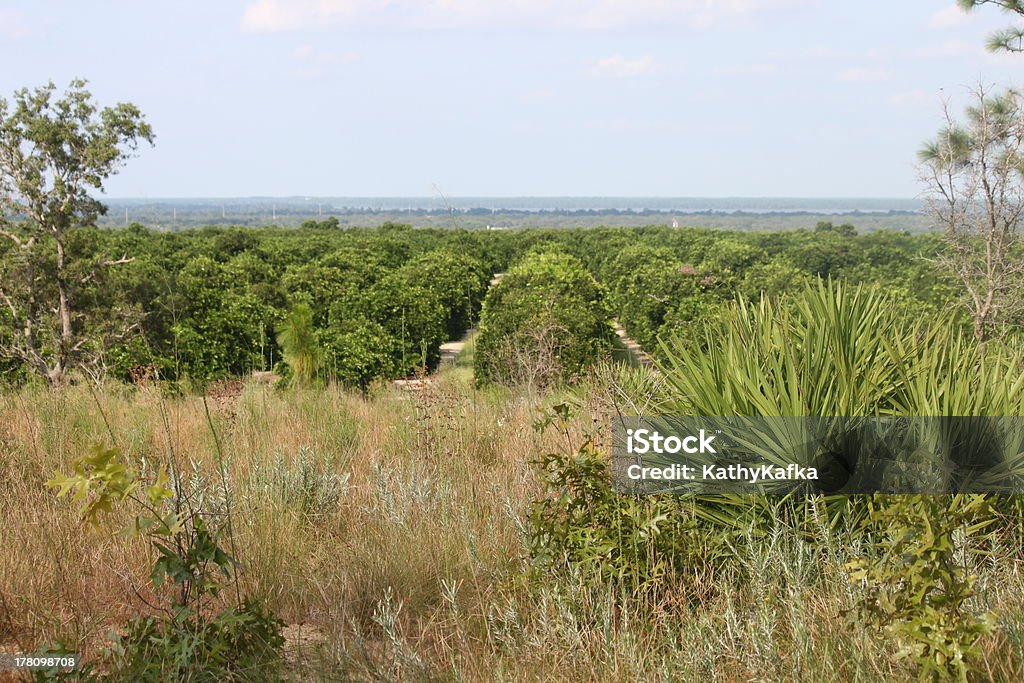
305,197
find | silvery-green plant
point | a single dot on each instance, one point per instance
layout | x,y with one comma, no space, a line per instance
307,483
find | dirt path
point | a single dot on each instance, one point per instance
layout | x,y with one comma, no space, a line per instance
636,354
450,351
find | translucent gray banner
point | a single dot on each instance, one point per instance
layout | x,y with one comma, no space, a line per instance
831,455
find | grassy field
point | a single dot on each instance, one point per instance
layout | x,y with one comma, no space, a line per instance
391,533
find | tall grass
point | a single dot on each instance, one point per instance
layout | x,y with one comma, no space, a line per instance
393,526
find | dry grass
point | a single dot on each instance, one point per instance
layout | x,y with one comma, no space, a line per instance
402,549
431,488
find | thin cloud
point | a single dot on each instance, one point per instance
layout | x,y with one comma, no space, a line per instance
949,17
308,53
824,52
1003,58
959,49
12,24
762,69
617,66
863,75
913,97
273,16
951,48
539,94
314,63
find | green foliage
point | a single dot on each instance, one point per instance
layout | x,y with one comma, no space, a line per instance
190,641
830,351
1010,39
727,258
53,152
100,480
356,352
459,281
845,229
413,316
547,318
204,304
973,189
239,643
666,283
834,349
583,524
654,292
917,589
299,344
221,335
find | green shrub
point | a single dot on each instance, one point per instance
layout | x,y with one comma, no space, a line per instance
459,282
191,640
547,319
582,524
356,352
242,643
300,345
413,316
917,590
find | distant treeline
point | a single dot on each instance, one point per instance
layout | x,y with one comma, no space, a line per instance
261,213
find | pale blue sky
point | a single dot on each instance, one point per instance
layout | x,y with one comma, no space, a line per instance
515,97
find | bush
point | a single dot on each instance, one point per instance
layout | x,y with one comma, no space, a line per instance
299,345
458,281
242,643
356,352
192,639
582,524
547,319
307,484
918,591
412,315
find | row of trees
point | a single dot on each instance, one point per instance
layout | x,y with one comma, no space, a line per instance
211,303
215,302
374,303
550,317
660,288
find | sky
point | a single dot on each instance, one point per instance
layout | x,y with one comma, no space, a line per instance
710,98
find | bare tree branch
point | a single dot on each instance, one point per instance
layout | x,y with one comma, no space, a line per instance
975,192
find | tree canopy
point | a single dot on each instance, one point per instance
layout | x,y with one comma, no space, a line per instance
54,151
